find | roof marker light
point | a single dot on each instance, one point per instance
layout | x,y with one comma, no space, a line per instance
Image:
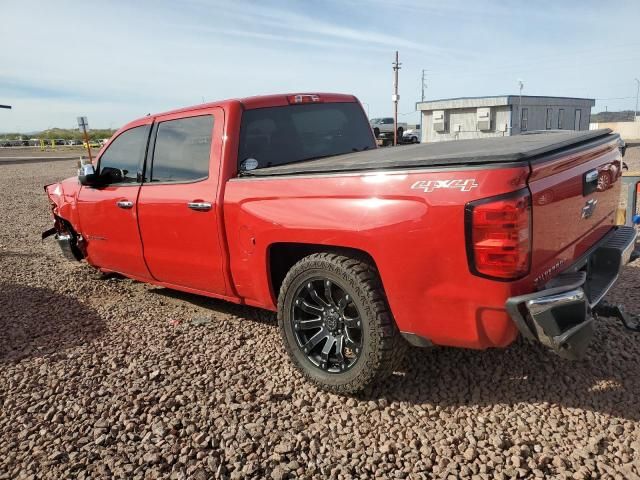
303,98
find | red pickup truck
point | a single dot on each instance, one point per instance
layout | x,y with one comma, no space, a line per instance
284,202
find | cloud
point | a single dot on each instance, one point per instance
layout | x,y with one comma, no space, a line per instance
120,60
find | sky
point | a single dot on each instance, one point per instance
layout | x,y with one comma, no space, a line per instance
119,60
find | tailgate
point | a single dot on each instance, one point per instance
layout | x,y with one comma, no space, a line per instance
574,200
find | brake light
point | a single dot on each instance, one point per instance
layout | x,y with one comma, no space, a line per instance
498,234
303,98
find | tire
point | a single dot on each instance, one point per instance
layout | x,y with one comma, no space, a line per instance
367,353
414,139
400,132
376,132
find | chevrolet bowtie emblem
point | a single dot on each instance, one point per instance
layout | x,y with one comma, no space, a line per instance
589,208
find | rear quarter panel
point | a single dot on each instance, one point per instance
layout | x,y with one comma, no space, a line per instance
414,233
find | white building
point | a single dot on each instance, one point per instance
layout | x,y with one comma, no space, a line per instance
475,117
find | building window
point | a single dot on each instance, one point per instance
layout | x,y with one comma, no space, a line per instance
524,120
560,118
549,117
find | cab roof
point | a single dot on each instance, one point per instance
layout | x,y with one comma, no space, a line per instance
263,101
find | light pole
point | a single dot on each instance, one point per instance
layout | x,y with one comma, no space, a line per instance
635,113
424,83
521,84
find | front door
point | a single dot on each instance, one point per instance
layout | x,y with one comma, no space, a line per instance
576,123
108,215
177,203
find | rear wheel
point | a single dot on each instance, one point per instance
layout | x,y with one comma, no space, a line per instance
335,323
400,132
376,132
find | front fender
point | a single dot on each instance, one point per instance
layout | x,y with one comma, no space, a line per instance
63,198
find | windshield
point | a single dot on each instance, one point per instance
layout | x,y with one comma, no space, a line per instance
280,135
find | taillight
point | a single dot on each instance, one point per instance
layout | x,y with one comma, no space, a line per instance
498,234
303,98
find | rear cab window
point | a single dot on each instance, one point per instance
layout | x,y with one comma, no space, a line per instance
280,135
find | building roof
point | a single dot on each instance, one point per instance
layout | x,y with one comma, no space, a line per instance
500,100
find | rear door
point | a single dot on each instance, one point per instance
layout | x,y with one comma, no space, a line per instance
108,215
177,207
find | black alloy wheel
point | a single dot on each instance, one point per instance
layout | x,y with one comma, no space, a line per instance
335,323
327,325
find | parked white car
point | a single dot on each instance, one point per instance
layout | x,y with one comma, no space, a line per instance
411,135
384,127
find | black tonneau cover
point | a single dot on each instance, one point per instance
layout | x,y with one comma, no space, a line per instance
461,152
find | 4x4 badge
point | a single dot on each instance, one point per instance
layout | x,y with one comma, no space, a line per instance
464,185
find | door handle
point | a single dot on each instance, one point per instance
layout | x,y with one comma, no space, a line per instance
124,204
199,206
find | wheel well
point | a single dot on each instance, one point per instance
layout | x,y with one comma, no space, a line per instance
283,256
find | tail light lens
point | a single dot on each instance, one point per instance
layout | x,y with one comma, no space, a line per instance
498,232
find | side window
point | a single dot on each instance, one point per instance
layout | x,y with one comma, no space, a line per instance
182,150
549,118
524,121
121,161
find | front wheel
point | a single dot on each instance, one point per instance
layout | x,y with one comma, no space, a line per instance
335,323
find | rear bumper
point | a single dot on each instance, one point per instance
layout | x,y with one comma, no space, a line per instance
561,316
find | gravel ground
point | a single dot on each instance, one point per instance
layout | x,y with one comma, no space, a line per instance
103,377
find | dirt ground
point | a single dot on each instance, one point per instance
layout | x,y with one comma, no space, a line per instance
110,378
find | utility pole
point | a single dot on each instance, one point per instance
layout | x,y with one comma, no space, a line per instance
635,114
424,83
395,97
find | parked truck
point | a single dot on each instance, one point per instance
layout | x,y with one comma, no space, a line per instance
283,202
383,128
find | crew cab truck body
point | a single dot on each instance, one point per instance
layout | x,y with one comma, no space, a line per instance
283,202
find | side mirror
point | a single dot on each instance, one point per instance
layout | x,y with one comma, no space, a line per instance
88,177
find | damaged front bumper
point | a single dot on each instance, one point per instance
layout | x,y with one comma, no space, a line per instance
68,243
561,316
